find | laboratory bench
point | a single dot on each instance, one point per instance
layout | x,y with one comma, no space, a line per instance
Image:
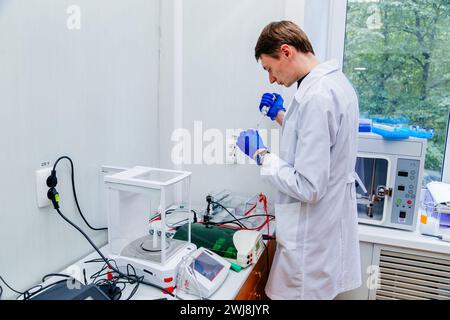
402,238
410,265
247,284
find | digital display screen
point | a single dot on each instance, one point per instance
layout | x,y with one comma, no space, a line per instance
207,266
402,174
401,188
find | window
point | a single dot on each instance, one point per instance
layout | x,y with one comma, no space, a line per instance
396,55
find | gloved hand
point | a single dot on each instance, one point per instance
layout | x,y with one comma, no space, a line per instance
271,104
249,141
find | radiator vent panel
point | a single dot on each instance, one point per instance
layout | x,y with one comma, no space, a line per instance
408,276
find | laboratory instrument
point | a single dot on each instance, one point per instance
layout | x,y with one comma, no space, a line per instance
251,211
390,172
435,216
203,273
243,247
133,196
239,204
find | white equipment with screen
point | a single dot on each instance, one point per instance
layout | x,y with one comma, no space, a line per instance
391,173
133,195
203,273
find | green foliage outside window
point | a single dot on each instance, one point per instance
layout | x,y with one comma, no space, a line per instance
397,57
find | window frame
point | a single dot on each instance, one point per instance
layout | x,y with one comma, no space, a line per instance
446,164
337,16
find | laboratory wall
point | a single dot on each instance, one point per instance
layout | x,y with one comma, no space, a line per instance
77,78
215,86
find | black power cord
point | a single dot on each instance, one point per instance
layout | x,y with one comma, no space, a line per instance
52,181
131,278
9,287
27,294
235,219
271,217
54,197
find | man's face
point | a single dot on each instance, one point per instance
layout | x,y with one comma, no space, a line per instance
280,70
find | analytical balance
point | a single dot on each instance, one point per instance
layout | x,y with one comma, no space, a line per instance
133,195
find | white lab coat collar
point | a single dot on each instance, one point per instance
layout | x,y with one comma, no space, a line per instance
316,73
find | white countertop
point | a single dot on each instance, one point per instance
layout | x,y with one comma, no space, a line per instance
235,280
227,291
402,238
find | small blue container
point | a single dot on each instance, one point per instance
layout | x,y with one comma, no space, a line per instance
391,133
365,125
418,132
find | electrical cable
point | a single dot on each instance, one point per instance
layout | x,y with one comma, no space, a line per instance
9,287
263,199
267,255
74,191
28,295
129,277
54,275
157,216
248,217
269,218
223,207
84,276
137,283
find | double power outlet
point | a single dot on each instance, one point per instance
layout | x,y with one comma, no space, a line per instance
41,187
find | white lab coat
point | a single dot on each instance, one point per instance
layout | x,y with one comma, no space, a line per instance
317,254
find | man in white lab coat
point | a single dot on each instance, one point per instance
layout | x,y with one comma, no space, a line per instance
317,255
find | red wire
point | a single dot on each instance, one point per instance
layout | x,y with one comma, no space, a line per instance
253,207
263,199
155,219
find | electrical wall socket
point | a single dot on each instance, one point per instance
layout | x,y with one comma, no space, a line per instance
231,156
41,187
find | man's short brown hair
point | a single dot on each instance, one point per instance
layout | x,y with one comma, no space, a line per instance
275,34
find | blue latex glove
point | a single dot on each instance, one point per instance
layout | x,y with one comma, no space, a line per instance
272,104
249,141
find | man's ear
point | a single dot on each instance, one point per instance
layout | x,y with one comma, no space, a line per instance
286,50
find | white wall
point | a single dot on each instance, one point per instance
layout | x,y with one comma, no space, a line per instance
221,81
91,94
